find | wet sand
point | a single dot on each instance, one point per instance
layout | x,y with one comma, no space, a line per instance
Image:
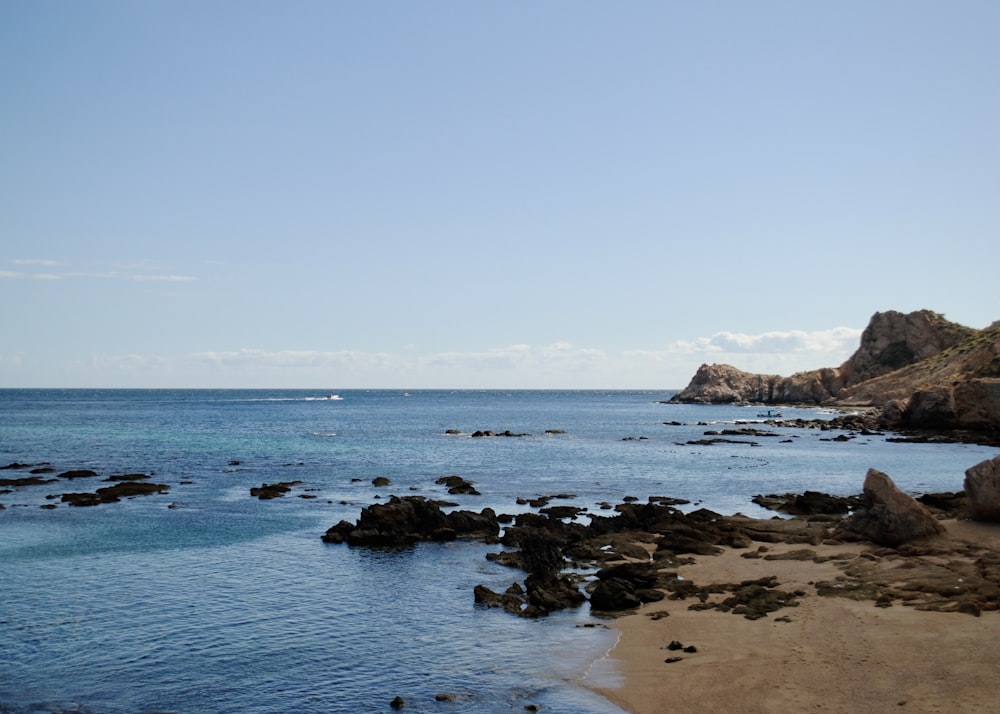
828,654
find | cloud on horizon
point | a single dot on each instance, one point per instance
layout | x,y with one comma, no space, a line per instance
136,274
819,342
556,364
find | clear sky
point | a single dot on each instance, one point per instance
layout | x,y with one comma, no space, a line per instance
464,193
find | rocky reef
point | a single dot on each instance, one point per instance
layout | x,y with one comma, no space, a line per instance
406,520
621,561
919,370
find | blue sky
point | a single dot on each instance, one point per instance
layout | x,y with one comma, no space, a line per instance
482,194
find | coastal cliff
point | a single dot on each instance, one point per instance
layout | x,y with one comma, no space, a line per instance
920,369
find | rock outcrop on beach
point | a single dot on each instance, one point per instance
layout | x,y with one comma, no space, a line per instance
982,489
888,516
921,370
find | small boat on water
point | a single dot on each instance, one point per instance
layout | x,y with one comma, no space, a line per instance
769,415
335,397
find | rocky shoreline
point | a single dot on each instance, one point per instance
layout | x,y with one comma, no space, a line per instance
622,561
825,559
880,548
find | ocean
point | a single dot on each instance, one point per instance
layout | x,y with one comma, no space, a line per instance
206,599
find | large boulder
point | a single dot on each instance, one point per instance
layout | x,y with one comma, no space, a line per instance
982,490
888,516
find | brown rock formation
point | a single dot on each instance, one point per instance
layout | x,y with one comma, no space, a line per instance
920,369
890,517
982,490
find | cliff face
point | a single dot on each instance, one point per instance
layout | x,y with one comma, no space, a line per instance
893,340
723,383
923,370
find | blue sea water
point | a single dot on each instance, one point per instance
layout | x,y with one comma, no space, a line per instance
205,599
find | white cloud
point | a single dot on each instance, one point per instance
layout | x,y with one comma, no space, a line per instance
11,361
510,357
556,365
149,273
35,261
15,275
127,362
819,342
292,359
784,342
164,278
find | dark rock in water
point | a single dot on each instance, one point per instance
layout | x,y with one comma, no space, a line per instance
563,511
113,494
129,488
409,519
82,499
338,533
808,503
381,481
127,477
888,516
457,485
510,602
668,501
480,433
982,487
274,490
26,481
397,703
546,589
78,473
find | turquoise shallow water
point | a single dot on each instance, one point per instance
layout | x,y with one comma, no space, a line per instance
224,603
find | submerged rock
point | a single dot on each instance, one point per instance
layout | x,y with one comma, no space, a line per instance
266,491
113,494
457,485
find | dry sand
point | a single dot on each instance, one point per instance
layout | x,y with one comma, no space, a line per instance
829,654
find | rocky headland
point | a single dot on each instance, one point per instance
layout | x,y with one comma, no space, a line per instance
915,371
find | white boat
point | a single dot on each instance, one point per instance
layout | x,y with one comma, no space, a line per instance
336,397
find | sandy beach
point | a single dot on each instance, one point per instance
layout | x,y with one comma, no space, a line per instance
828,653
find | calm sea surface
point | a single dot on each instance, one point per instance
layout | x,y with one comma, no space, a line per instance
205,599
